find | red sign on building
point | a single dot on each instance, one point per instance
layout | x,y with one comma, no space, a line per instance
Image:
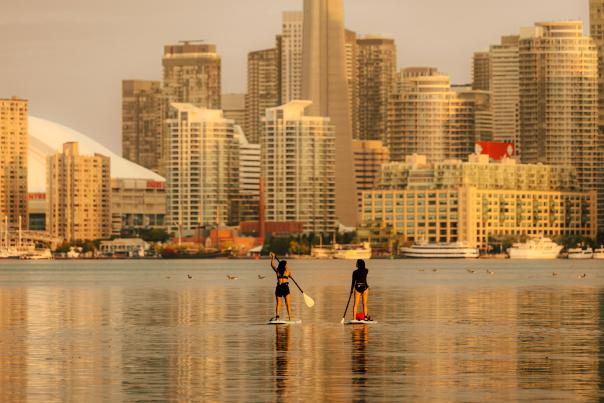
496,150
156,185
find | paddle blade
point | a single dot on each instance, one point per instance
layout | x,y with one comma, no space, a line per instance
308,301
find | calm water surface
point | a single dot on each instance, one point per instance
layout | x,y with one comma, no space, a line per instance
143,331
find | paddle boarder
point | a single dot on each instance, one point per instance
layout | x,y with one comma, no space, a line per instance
360,288
282,289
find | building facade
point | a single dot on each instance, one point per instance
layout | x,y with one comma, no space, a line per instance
478,200
263,89
481,71
202,168
324,84
79,195
142,122
247,203
351,51
559,101
14,114
298,165
427,117
505,90
596,19
137,204
233,107
192,74
369,156
376,72
291,55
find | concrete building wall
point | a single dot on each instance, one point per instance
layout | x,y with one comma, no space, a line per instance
137,204
369,156
14,142
481,71
324,83
291,55
263,89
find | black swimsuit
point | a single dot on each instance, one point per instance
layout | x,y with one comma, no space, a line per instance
359,280
282,289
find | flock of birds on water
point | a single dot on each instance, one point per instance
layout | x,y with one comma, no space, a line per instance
471,271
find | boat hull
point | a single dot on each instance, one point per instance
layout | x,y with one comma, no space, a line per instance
534,255
581,256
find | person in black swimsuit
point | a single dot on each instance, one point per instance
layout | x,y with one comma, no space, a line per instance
282,289
360,288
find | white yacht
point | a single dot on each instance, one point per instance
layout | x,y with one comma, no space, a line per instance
321,252
352,252
457,250
599,253
540,248
44,254
580,253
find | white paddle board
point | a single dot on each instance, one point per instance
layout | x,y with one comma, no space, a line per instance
360,322
284,322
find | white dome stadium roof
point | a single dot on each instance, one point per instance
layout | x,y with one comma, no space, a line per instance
47,138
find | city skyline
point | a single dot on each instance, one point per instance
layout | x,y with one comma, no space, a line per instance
41,45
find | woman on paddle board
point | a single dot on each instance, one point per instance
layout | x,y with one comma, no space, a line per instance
360,288
282,289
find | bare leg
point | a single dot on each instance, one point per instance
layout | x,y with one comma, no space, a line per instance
288,304
365,297
278,309
357,297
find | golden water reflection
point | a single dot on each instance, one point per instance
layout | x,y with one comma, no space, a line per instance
433,343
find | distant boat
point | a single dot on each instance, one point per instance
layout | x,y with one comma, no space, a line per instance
580,253
540,248
457,250
322,252
44,254
599,253
352,251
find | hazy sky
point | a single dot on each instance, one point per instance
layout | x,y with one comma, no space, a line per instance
68,57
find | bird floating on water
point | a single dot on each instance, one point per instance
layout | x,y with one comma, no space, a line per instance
261,277
421,270
471,271
232,277
490,272
555,274
584,275
189,276
434,270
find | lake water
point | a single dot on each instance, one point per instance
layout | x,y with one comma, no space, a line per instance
104,331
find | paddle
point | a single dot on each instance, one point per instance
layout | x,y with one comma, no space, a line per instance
307,299
346,310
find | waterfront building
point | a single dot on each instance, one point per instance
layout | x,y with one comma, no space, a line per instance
475,201
192,74
14,142
79,195
298,165
137,204
369,156
505,90
233,107
596,18
324,84
481,71
426,116
291,55
376,72
481,113
130,247
142,122
203,167
263,89
559,101
37,207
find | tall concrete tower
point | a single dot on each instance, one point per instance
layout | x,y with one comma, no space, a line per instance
324,83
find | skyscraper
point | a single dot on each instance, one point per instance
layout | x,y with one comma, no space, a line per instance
298,166
481,71
263,89
324,83
351,50
376,72
14,114
505,90
559,100
192,74
291,55
79,195
596,16
203,167
142,122
233,106
427,117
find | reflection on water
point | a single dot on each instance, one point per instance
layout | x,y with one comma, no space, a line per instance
93,335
